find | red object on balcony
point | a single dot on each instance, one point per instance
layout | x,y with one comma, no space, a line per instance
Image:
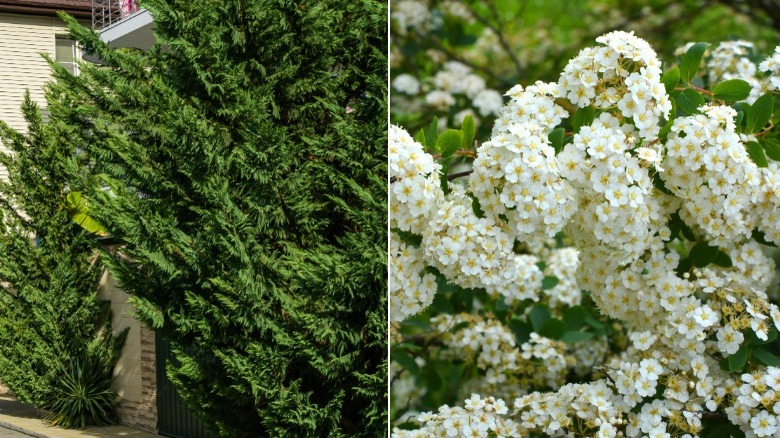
127,7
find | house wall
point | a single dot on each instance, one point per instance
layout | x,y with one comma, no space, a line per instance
135,374
22,39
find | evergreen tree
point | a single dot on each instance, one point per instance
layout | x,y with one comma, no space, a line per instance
55,336
241,164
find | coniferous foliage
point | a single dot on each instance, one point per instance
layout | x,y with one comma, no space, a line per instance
51,322
241,166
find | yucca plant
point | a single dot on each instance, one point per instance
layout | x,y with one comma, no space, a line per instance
83,395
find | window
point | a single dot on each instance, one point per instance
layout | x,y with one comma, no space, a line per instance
66,54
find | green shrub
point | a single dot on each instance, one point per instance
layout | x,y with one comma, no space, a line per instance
50,317
247,171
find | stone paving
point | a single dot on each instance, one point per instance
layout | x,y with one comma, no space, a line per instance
10,433
18,420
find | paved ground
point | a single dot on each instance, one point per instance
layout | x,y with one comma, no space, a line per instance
9,433
18,420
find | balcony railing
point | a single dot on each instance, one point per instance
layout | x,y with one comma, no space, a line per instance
106,13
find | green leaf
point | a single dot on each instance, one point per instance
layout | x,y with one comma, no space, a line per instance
670,79
691,60
756,153
731,90
689,101
760,112
687,232
553,328
445,170
752,339
521,330
432,134
659,184
702,254
760,237
556,139
431,375
583,117
468,132
449,141
572,337
78,210
420,138
574,317
771,147
738,360
738,119
667,128
408,346
719,427
723,260
538,315
406,361
595,323
549,282
766,357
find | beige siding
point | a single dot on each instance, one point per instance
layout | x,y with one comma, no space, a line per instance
22,40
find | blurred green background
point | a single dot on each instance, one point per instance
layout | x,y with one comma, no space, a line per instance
508,42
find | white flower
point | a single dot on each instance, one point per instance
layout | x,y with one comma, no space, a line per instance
650,369
764,424
705,316
642,340
729,340
406,83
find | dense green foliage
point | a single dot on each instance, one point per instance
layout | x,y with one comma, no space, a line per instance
242,170
50,318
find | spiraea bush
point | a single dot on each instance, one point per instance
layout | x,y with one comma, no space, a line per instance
598,266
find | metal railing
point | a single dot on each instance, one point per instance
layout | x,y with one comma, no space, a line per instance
106,13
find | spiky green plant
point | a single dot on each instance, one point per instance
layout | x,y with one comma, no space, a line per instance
82,395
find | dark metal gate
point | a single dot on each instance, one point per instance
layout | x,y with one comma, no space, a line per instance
173,418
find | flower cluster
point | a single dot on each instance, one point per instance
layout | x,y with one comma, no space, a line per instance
707,165
756,406
731,60
415,190
478,418
442,89
624,72
414,15
772,66
523,280
470,251
515,173
488,342
550,354
562,264
411,289
665,236
616,209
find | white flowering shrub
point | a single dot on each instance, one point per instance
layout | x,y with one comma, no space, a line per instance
596,267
